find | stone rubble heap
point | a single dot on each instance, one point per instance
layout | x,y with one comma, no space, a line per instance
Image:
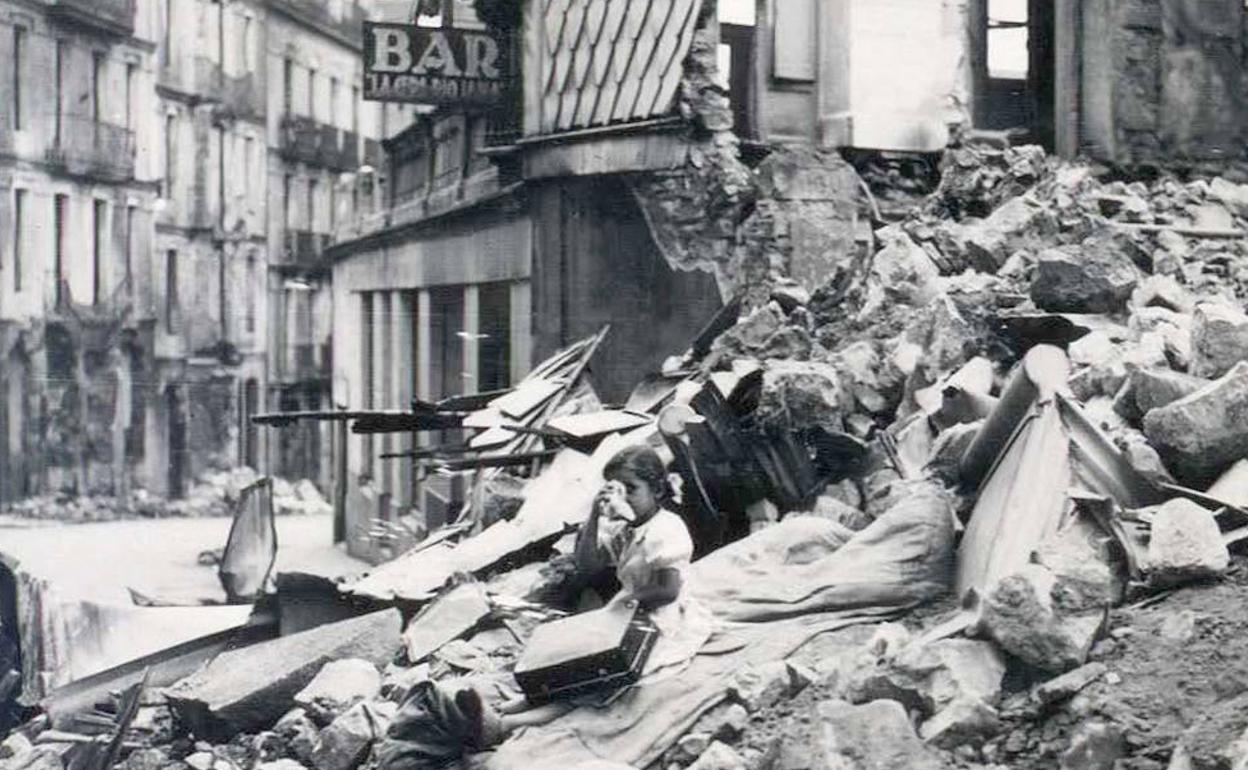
1143,283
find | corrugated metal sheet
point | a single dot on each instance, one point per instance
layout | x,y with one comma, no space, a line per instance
612,61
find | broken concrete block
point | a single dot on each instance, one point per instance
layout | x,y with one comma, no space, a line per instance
1232,486
1153,388
299,732
1095,745
1015,223
1162,291
1067,685
344,744
1079,557
1185,544
965,721
904,270
724,722
801,394
339,685
758,687
690,746
280,764
1142,457
201,760
1021,614
1201,434
764,333
248,689
929,677
451,615
1219,339
719,756
1094,281
876,735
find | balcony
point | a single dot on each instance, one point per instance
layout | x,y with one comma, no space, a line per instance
347,26
301,139
239,95
114,17
373,155
305,249
93,149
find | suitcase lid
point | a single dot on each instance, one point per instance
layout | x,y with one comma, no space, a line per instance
576,637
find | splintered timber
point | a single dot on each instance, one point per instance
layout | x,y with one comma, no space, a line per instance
407,63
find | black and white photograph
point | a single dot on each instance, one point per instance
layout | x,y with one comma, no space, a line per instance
623,384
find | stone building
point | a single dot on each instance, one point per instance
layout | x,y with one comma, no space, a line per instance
79,166
321,172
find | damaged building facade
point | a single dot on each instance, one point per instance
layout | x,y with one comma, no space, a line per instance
169,172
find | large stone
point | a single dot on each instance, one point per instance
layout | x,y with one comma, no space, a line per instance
299,733
1079,557
1233,196
1094,746
719,756
1096,280
1017,223
339,685
764,333
344,744
903,269
928,677
801,394
873,736
1153,388
1201,434
1232,486
1219,339
280,764
965,721
763,685
247,689
1067,685
1185,544
1024,616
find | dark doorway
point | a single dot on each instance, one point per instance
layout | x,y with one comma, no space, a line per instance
177,442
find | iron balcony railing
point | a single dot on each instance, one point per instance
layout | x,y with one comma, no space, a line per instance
305,248
82,146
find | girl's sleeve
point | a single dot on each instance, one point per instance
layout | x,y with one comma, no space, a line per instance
668,543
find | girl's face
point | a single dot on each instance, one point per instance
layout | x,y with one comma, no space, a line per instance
638,494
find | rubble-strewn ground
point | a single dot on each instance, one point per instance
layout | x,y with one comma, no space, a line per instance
214,494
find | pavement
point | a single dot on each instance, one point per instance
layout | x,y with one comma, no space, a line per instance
158,557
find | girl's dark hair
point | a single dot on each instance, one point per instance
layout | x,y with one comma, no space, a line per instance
644,463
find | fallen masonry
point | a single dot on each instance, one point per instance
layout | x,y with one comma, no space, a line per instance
974,499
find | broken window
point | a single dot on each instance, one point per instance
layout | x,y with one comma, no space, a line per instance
59,211
19,54
171,290
1007,39
19,227
99,216
494,342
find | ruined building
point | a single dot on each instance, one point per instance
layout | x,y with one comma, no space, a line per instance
169,173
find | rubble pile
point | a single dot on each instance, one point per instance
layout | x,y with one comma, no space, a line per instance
1049,361
213,494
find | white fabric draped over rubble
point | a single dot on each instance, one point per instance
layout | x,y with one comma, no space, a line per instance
771,593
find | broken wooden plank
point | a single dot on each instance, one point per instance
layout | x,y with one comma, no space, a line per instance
494,461
597,423
528,396
448,617
249,689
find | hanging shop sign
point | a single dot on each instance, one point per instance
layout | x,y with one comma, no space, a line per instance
435,65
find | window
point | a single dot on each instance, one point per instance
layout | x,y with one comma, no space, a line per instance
355,109
171,127
1007,39
60,84
249,320
333,101
19,227
249,149
311,212
19,57
219,137
97,86
311,92
171,290
60,205
246,44
99,216
286,183
333,205
288,78
168,31
131,69
129,256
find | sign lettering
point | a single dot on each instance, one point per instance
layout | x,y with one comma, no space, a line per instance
439,66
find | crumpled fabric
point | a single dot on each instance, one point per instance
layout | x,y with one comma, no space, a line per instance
429,731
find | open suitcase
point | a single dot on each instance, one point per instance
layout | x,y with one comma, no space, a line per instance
592,652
